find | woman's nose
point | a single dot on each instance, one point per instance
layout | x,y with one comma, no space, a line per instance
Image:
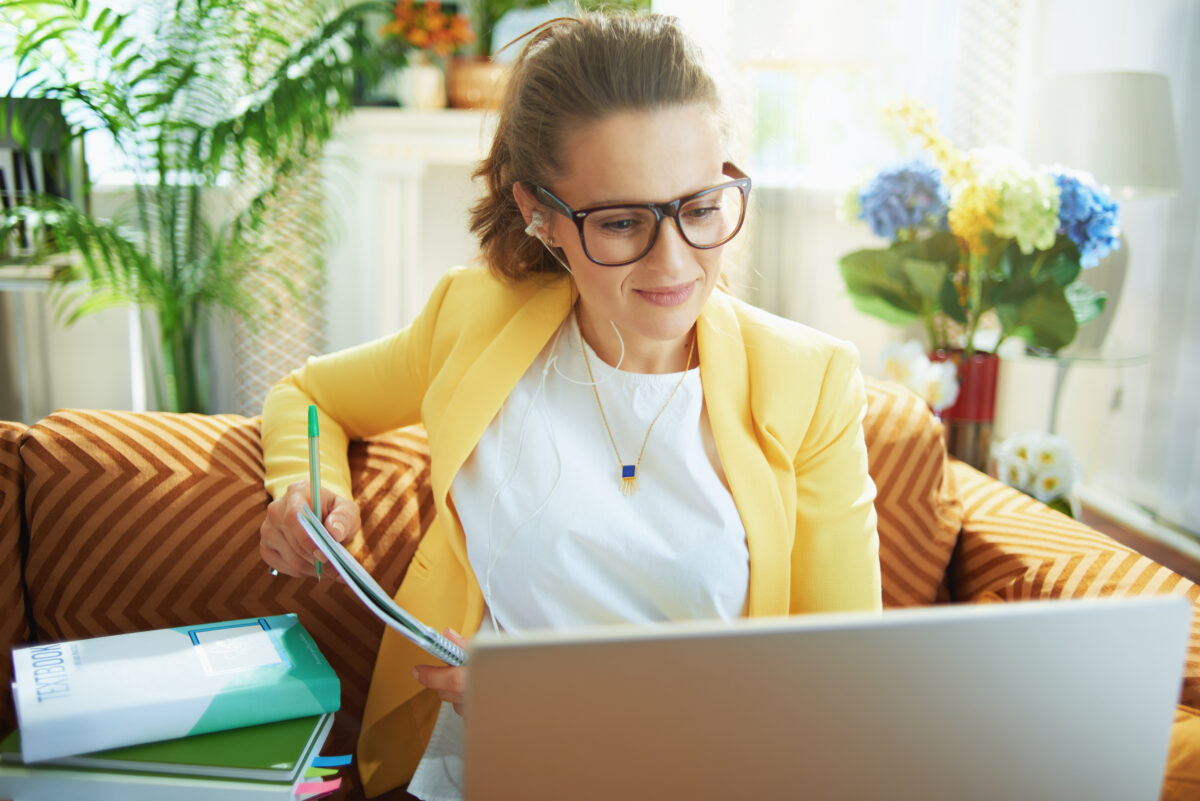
671,251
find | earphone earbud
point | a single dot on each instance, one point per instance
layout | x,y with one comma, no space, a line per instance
536,222
535,225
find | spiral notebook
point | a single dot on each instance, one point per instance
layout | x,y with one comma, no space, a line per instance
374,597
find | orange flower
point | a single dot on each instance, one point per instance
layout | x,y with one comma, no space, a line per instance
425,26
460,26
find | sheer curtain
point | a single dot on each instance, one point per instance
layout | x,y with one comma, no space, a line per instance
1137,428
814,76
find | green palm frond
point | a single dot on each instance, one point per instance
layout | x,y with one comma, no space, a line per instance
224,104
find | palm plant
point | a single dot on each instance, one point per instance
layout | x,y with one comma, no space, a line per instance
211,103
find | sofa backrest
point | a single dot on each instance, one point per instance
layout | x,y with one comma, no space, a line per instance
14,629
145,520
141,521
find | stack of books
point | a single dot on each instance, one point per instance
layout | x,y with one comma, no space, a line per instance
241,709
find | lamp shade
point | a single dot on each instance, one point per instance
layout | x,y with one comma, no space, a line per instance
1118,126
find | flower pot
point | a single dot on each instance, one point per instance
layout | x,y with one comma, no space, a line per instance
475,82
421,84
968,423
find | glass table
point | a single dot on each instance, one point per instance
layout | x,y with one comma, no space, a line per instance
1067,358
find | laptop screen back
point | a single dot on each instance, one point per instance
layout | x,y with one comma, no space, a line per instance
1060,699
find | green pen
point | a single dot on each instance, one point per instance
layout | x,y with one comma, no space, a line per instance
314,472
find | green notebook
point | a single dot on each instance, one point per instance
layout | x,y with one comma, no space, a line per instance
278,752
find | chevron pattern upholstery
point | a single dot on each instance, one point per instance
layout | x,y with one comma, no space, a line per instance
143,521
917,504
13,628
1015,549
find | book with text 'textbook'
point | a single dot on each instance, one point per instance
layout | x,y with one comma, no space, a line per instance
88,695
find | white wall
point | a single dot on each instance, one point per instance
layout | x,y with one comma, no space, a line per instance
84,365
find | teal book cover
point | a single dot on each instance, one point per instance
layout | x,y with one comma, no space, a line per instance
95,694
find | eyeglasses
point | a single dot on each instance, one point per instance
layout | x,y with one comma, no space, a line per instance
621,234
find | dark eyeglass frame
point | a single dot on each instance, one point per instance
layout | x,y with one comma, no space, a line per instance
660,210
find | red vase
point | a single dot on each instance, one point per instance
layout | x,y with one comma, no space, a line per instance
968,423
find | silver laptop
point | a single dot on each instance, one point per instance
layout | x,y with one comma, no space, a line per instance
1034,700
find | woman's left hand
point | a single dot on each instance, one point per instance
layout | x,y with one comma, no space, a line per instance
449,683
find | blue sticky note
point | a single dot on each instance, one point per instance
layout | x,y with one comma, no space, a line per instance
331,761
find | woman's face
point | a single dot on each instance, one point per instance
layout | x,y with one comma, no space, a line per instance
640,157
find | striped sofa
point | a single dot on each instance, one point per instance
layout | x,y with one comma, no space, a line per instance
122,521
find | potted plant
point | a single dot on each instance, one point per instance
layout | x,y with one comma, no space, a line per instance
978,240
419,33
210,103
477,81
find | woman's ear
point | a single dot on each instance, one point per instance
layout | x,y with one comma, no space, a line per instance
525,201
535,216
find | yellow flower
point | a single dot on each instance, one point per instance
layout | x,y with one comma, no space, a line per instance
972,211
922,123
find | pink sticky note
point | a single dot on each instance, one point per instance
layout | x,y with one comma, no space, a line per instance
314,790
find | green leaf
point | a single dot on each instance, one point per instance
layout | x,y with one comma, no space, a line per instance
926,278
949,304
940,247
1045,320
875,276
44,34
1087,303
1063,269
883,310
1061,505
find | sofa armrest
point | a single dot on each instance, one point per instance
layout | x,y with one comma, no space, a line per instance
147,520
14,623
1014,548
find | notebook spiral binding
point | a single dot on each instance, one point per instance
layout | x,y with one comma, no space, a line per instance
447,651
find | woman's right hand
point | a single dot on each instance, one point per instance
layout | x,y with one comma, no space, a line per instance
283,543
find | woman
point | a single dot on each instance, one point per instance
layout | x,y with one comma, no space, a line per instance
612,437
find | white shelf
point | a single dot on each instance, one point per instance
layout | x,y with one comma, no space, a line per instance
402,227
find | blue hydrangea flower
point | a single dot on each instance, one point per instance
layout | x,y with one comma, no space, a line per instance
905,196
1088,215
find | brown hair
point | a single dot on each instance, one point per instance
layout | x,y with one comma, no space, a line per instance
572,72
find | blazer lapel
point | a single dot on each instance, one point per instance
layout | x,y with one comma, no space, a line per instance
725,377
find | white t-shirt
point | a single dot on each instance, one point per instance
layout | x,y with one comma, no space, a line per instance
555,543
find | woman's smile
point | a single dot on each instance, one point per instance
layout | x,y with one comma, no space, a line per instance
667,295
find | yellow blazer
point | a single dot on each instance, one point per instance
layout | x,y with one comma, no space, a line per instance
785,402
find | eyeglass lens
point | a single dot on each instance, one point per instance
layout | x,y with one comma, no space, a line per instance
624,233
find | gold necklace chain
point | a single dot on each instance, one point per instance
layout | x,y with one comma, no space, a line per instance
629,484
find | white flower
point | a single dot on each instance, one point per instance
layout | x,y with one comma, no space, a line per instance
1021,446
1013,472
1039,464
1048,450
936,383
1053,481
901,360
